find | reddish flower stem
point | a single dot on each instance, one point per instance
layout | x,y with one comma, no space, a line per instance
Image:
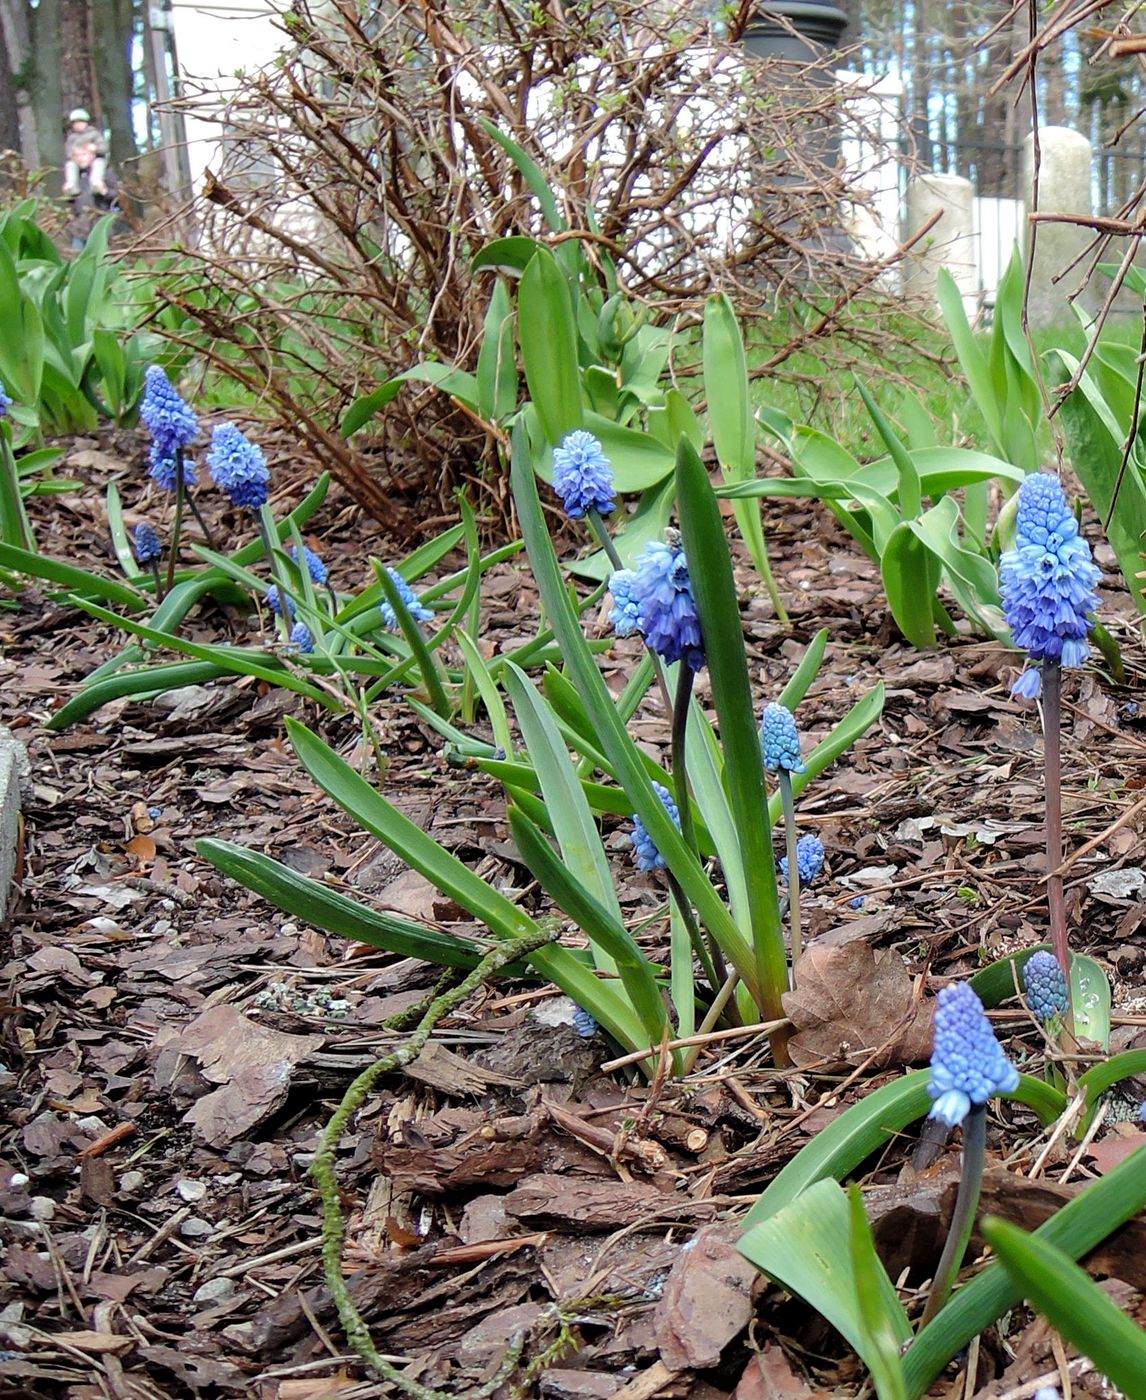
1052,771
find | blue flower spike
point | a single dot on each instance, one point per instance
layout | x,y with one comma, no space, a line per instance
302,637
238,467
314,566
662,591
809,859
414,605
5,402
148,545
648,857
163,470
1047,582
169,420
1047,993
968,1065
625,616
275,602
583,476
780,740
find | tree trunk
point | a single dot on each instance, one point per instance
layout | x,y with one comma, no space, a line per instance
44,82
77,85
113,21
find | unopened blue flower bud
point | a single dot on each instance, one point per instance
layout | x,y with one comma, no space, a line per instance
780,739
1045,983
414,605
302,637
275,602
809,859
648,857
314,566
625,617
148,545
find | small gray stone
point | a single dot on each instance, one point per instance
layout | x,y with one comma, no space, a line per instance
195,1228
190,1191
130,1182
215,1290
43,1208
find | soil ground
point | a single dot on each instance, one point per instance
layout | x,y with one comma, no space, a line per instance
163,1237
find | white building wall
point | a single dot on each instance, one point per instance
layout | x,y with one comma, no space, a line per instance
212,44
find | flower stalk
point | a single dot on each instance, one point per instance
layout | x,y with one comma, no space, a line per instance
1052,786
963,1216
789,805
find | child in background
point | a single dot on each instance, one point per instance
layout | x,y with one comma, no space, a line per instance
81,132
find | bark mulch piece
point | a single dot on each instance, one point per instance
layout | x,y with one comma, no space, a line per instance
173,1046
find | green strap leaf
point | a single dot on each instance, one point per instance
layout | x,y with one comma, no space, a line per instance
1075,1229
713,586
547,331
1073,1304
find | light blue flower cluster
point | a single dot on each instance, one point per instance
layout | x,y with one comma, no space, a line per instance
148,545
414,605
809,859
275,602
583,476
5,402
301,637
648,857
780,739
968,1065
163,470
661,594
169,420
238,467
1045,984
1047,581
585,1023
625,617
314,566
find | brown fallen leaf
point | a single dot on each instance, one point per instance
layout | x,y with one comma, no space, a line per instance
769,1376
550,1200
253,1065
707,1299
1124,1139
851,1002
100,1342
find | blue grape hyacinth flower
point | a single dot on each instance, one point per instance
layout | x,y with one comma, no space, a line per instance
583,476
1047,581
163,470
968,1065
302,637
5,402
1045,983
148,545
809,859
169,420
317,570
625,617
414,605
663,594
648,857
780,739
275,602
238,467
